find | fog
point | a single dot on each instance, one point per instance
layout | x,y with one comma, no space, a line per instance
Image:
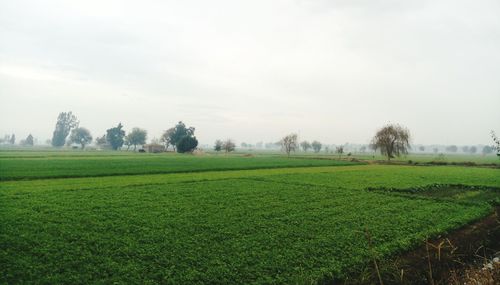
253,71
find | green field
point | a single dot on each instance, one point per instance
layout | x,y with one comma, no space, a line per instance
263,220
34,165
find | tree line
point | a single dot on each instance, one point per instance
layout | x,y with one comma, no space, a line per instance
68,130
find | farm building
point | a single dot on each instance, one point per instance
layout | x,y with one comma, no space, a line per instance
154,148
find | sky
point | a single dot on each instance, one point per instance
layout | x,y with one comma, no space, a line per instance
333,71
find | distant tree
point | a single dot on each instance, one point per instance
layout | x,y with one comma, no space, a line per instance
316,146
115,136
180,131
30,141
472,149
136,137
452,148
12,139
465,148
496,141
362,149
228,146
435,150
65,123
289,143
166,138
327,149
487,149
421,148
259,145
80,136
187,144
392,140
101,141
244,145
218,145
48,142
339,150
305,146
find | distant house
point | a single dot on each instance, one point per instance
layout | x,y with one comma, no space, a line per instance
154,148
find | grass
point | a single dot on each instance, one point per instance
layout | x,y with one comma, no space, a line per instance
261,226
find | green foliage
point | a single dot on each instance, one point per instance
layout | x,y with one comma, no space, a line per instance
29,141
80,136
137,137
65,122
180,134
218,145
115,136
187,144
264,226
316,146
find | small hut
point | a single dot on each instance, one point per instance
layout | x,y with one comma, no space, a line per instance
154,148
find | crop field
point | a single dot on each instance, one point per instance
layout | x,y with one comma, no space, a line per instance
181,220
34,165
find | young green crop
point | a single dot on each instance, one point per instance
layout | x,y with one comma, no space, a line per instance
64,166
262,226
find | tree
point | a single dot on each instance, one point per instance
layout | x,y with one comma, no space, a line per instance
166,138
465,148
12,139
137,136
305,145
473,149
65,122
289,143
487,149
180,131
228,146
496,140
316,146
392,140
452,148
244,145
80,136
114,136
187,144
101,141
362,149
339,150
218,145
421,148
29,140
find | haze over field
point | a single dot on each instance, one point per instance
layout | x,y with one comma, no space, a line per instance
333,70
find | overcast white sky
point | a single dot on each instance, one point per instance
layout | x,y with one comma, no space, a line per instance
254,70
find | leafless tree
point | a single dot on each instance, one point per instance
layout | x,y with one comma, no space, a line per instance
339,150
228,146
392,140
289,143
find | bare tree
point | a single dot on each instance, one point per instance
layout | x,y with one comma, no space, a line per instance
228,146
289,143
392,140
339,150
496,140
166,138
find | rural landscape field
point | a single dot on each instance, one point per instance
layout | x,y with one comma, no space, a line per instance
182,219
282,142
